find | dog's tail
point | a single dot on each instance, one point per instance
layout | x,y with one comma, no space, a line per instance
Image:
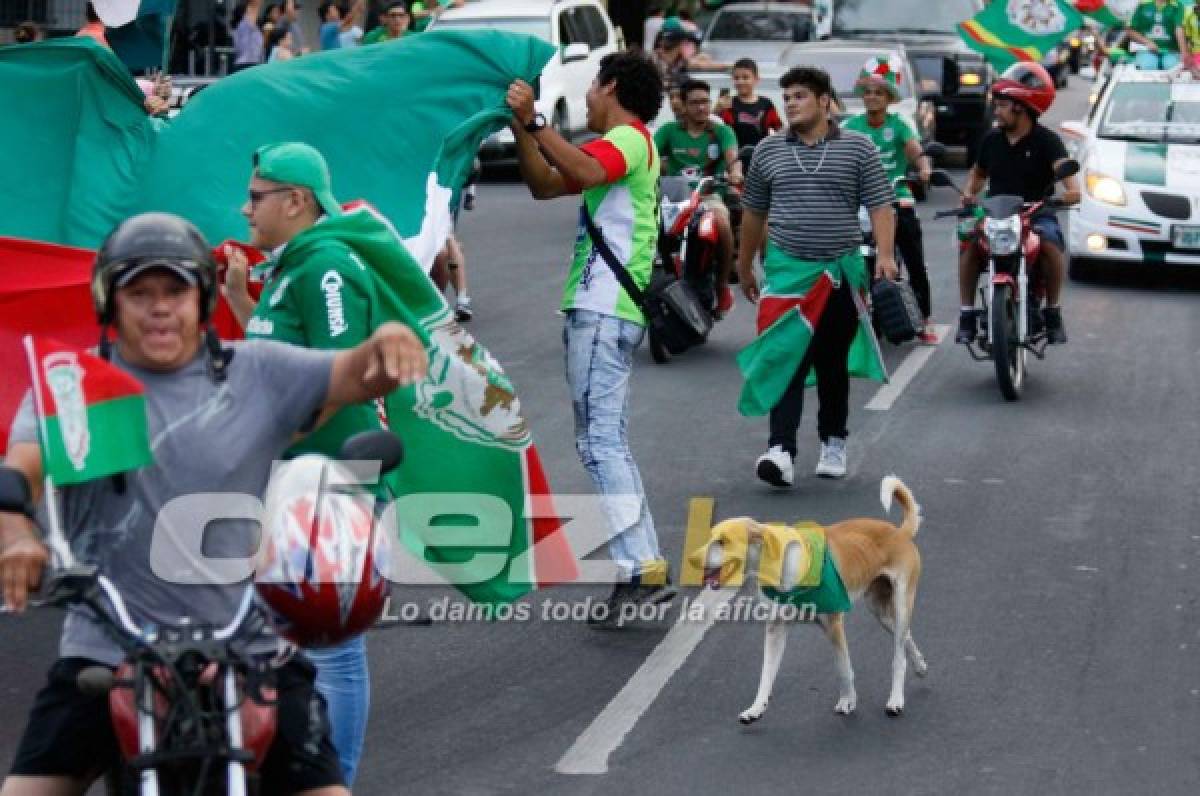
894,487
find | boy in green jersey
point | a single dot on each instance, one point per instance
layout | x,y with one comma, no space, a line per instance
898,146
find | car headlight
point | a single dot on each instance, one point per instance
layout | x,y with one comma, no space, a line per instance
1003,234
970,78
1105,189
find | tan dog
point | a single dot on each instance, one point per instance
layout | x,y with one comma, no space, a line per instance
876,559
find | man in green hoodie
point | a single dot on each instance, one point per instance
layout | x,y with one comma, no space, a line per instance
315,296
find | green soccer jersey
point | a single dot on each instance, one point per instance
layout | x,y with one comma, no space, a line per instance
1158,24
889,138
704,153
625,208
380,34
326,301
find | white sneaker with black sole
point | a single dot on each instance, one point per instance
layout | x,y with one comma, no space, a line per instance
775,467
832,463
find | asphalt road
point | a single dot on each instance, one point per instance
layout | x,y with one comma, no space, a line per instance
1058,608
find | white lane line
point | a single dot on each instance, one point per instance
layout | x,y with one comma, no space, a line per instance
589,754
904,374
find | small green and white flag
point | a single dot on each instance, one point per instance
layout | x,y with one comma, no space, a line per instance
91,414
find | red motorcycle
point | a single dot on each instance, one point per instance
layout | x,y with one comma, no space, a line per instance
1012,289
688,244
193,713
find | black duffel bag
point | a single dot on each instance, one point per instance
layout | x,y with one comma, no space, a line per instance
895,309
675,316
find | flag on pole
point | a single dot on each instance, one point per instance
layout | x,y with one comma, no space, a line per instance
1007,31
91,414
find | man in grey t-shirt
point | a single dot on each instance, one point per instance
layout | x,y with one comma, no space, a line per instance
218,417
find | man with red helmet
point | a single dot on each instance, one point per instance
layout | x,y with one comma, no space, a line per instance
1018,157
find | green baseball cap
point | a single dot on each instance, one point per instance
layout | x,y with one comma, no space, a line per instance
295,163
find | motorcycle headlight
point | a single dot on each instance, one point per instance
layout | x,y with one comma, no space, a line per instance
1003,234
1105,189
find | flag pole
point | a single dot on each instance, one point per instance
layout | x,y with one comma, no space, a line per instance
54,535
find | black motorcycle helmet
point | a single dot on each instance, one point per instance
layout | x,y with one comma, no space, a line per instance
153,240
158,240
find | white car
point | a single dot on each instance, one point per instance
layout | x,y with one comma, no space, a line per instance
583,34
761,30
1139,152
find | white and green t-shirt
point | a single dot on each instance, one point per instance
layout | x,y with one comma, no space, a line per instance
625,209
889,138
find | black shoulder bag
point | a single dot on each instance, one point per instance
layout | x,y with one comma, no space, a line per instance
674,314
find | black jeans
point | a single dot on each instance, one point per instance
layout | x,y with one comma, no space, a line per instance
908,241
828,353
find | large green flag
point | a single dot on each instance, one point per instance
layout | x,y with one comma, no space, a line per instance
1007,31
480,500
398,125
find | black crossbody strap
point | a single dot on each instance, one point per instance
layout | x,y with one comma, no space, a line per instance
619,271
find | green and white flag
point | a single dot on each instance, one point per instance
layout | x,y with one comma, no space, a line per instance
91,414
1007,31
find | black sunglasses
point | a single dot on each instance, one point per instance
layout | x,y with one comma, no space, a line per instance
257,196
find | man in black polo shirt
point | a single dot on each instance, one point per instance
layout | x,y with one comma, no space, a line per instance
803,192
1019,156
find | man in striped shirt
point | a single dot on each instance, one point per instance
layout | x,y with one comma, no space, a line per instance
802,193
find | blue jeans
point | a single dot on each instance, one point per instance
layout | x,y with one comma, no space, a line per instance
1156,60
344,681
599,359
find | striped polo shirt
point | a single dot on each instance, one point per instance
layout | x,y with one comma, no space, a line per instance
814,215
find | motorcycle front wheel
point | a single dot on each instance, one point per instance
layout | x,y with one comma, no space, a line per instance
1007,352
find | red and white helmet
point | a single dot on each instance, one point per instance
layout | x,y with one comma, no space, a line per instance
1028,83
319,565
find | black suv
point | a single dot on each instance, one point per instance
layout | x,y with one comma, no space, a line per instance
953,76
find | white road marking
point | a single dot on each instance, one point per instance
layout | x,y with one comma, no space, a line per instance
589,754
904,374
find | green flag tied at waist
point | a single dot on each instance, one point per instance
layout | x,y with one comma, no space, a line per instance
1007,31
795,296
399,125
462,428
91,414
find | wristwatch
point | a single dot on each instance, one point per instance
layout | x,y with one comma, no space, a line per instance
537,123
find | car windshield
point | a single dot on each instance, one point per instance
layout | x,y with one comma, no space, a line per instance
843,69
914,16
533,26
1153,112
750,25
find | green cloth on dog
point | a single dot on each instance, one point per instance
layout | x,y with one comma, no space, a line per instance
821,586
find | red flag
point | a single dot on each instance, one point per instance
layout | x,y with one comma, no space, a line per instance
45,292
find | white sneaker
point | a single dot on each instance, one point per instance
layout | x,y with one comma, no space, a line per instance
832,463
462,309
775,467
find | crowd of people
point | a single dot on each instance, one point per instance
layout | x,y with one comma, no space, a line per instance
800,198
